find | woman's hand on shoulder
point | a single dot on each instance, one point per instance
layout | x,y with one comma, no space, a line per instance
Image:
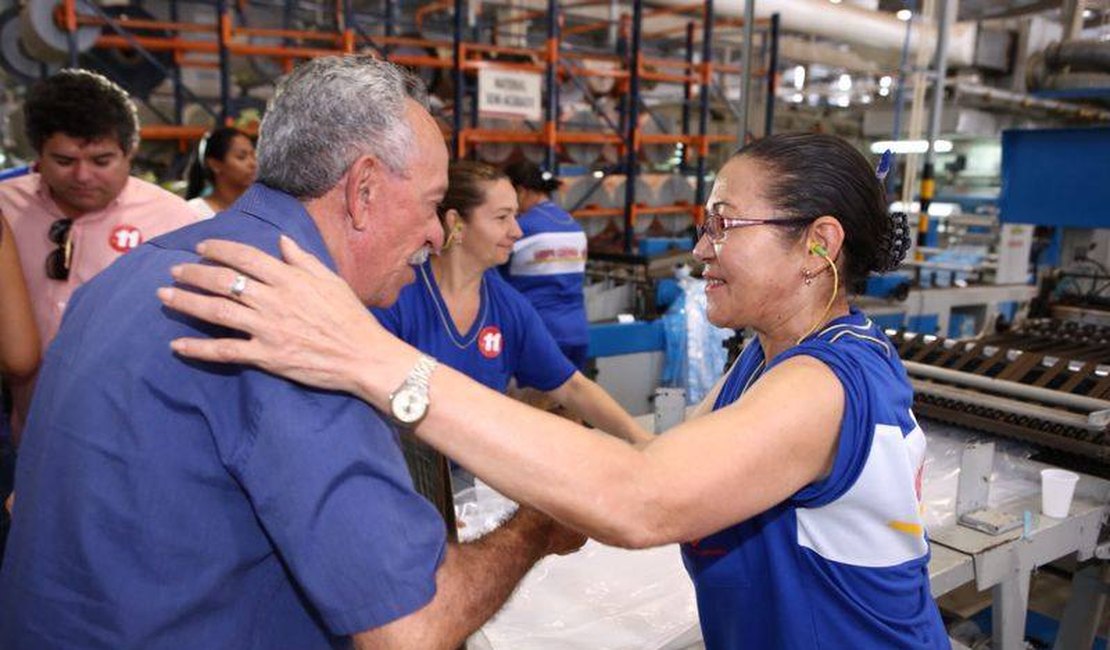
303,322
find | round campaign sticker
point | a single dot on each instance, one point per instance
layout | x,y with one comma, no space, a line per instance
489,341
124,238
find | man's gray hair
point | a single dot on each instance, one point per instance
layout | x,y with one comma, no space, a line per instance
327,113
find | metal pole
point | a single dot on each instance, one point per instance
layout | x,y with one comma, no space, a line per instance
631,160
551,110
457,117
772,77
1072,12
928,183
899,99
687,94
475,36
71,43
175,72
746,76
390,22
225,60
703,101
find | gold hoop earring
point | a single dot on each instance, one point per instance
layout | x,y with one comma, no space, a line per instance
453,237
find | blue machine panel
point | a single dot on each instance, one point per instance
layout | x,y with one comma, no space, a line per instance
614,339
1056,177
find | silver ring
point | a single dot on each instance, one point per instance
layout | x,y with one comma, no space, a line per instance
238,286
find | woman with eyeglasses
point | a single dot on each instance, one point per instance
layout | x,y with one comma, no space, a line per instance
225,166
462,312
794,489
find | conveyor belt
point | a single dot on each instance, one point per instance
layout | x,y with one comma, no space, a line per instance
1020,386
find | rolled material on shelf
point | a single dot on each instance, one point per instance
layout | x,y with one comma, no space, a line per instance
580,192
657,124
675,189
645,191
583,119
44,40
496,153
16,62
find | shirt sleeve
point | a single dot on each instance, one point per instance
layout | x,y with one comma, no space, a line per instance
857,425
328,481
540,364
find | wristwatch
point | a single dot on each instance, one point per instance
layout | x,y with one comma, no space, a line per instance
409,403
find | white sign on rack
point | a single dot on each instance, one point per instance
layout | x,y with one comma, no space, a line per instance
509,93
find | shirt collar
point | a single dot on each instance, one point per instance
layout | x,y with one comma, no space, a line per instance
288,215
43,192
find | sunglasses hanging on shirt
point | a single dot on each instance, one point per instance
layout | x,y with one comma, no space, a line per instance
58,261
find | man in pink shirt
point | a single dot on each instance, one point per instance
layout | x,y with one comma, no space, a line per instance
82,209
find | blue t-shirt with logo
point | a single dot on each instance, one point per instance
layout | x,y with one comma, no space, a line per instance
548,267
842,563
507,339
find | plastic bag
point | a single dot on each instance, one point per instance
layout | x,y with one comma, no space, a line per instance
695,355
600,598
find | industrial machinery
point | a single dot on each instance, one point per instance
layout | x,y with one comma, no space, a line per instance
1046,383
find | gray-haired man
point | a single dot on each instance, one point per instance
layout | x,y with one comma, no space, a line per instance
164,505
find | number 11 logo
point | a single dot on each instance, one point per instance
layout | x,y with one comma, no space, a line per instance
489,341
124,238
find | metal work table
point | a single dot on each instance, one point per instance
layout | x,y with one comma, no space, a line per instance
1004,563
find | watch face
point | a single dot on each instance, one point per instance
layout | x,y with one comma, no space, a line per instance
409,405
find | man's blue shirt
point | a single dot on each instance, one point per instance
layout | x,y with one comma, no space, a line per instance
173,504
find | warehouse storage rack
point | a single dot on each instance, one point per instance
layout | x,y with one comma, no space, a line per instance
82,24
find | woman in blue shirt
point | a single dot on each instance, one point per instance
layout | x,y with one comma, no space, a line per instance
462,312
548,264
795,488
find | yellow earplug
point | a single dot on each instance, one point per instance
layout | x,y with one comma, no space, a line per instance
817,249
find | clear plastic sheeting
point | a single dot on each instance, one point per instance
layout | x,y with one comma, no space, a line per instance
695,355
1010,477
600,598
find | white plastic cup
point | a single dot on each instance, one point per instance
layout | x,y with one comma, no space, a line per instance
1057,488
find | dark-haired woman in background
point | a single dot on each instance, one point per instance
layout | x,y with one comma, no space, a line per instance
225,163
548,264
461,311
795,488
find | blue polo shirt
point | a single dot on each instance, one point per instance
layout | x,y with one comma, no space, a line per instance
548,266
165,503
507,339
844,562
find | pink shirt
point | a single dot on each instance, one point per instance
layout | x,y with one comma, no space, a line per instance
142,211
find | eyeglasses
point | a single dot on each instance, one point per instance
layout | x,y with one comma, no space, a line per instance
57,262
716,224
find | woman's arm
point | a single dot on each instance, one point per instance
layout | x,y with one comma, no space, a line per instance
305,324
19,338
591,403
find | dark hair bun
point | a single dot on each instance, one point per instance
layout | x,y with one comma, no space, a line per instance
893,245
528,175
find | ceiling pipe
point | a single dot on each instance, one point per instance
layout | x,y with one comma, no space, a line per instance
875,30
1022,102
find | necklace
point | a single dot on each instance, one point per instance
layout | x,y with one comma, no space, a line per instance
754,376
444,318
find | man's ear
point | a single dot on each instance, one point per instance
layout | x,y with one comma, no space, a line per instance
363,182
